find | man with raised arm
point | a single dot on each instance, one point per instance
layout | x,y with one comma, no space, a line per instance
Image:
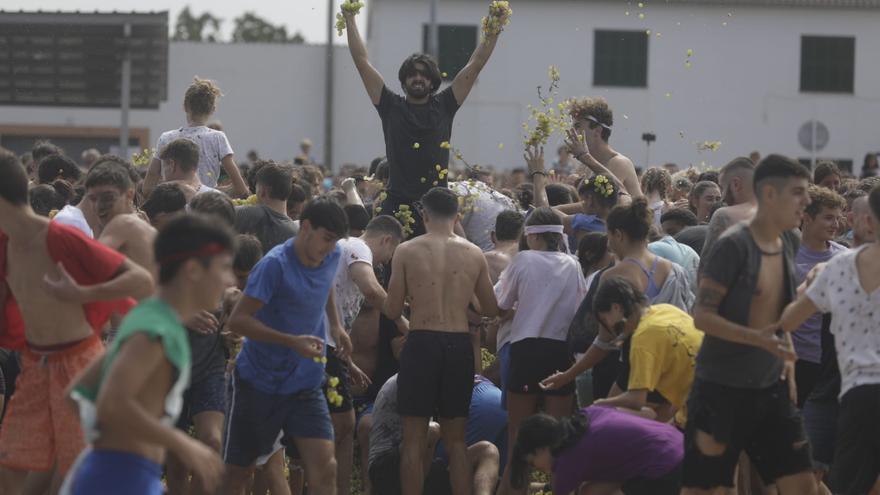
417,126
440,273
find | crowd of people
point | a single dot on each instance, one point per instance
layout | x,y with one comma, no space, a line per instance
200,326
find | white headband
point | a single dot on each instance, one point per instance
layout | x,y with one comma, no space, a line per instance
541,229
549,229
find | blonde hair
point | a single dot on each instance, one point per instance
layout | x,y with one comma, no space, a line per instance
201,97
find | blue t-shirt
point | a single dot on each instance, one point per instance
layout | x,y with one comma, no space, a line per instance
294,298
487,420
583,222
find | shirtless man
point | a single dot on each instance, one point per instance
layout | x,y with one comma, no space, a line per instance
180,164
505,236
110,192
441,273
738,194
127,396
738,401
593,119
52,278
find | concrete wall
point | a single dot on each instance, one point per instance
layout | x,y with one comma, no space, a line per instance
742,88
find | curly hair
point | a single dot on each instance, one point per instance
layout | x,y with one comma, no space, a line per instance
822,196
825,169
201,97
597,108
600,189
657,179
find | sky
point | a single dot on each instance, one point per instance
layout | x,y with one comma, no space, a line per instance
306,16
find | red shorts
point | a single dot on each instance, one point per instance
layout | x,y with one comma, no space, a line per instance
41,429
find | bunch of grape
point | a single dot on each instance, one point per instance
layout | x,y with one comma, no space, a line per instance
404,215
352,7
251,200
333,396
547,118
499,16
143,158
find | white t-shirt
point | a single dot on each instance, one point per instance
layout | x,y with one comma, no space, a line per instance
547,288
349,297
213,148
855,318
203,189
73,216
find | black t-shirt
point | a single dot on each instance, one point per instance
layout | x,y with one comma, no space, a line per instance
413,134
734,262
694,237
269,226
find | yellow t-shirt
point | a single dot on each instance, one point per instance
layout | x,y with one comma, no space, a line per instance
663,354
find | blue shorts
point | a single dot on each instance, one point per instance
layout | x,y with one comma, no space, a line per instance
100,472
255,419
208,395
504,357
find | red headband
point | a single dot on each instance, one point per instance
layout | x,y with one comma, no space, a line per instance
206,250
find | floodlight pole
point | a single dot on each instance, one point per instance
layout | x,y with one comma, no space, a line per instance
125,97
433,41
328,88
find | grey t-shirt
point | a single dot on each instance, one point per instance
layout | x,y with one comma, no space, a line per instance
269,226
387,432
734,262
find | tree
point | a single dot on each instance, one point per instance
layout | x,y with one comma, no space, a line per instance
191,28
250,28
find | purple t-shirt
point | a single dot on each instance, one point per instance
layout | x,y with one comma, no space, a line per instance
808,338
618,447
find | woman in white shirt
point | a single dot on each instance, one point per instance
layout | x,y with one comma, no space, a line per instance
546,286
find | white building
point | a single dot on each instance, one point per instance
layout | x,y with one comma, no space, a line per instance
758,71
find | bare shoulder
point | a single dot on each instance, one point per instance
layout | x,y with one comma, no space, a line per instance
468,248
621,160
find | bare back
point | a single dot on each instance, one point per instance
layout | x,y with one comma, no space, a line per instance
623,168
134,238
47,320
441,275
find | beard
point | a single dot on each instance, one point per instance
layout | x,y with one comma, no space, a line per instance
418,92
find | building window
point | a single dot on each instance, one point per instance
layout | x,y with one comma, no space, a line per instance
455,46
620,58
827,63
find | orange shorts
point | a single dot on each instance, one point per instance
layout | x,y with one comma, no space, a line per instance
41,428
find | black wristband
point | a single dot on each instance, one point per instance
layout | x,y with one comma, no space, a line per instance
579,155
533,174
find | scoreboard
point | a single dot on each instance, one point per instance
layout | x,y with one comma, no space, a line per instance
76,59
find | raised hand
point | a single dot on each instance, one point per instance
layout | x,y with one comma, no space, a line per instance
534,157
576,142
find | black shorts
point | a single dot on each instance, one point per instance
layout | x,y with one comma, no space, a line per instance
436,375
806,375
669,484
532,360
763,422
857,452
339,369
208,395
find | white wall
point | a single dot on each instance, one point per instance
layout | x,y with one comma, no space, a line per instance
742,88
273,97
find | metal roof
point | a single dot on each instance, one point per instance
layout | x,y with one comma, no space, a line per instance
77,17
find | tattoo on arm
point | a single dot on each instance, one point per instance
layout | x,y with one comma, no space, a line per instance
709,299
